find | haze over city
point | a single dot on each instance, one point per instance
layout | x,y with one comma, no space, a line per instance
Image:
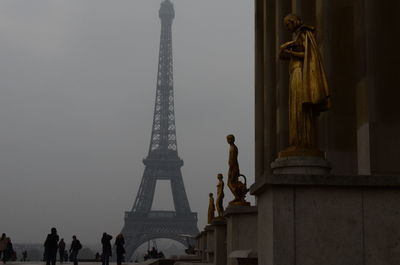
78,82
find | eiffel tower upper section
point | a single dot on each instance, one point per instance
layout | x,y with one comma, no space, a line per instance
163,136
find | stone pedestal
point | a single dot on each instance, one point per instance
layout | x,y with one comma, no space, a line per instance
328,220
219,242
241,234
198,245
305,165
203,246
210,244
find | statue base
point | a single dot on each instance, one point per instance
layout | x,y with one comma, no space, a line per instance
304,165
218,219
242,202
299,151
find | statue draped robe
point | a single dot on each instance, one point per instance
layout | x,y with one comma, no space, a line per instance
308,91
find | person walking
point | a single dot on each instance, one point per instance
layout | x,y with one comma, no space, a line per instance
50,247
24,255
106,243
119,243
9,253
61,249
74,250
3,246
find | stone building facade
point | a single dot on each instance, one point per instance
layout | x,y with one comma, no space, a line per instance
358,41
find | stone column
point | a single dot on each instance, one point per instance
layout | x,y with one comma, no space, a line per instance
378,94
308,11
269,40
335,34
283,8
365,99
259,89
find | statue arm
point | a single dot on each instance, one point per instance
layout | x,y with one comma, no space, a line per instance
284,54
296,54
284,50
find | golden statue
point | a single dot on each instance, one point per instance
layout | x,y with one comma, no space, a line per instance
220,197
211,209
238,188
309,93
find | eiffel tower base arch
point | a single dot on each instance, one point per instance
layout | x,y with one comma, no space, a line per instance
157,224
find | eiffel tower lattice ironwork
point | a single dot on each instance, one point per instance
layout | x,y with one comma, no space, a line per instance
162,162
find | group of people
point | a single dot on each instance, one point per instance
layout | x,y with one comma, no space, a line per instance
52,245
7,252
107,249
154,254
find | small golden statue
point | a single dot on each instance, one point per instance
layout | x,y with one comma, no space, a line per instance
309,93
238,188
211,209
220,197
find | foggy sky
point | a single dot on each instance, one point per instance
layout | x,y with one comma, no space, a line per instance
77,88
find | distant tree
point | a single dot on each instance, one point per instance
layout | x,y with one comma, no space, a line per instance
86,253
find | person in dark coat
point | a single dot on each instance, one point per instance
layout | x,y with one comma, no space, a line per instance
3,245
8,253
106,242
24,255
51,246
61,250
74,250
119,243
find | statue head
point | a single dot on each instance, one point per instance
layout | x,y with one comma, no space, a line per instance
219,176
230,138
292,22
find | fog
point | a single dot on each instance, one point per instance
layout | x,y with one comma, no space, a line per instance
77,89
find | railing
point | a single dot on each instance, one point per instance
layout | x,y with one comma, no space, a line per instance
160,215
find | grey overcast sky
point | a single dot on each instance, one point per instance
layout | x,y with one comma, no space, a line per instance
77,88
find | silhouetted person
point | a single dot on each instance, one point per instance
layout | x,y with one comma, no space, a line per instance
9,251
51,246
119,243
61,250
106,243
153,253
24,255
74,250
3,246
97,257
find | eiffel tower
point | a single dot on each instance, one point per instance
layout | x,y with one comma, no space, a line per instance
162,162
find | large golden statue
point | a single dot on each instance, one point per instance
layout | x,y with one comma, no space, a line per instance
220,197
211,209
238,188
309,93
